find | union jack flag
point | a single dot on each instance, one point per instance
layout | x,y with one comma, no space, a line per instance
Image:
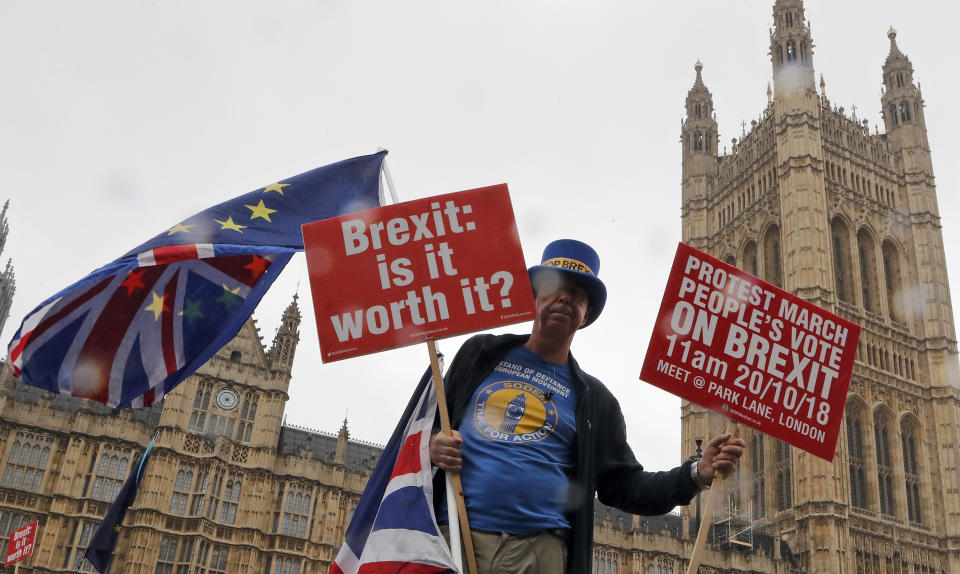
132,330
393,530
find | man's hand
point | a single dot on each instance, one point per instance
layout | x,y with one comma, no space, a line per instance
445,451
720,457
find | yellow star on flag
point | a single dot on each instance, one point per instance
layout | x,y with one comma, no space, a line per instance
229,224
230,297
180,228
157,306
260,210
191,310
277,187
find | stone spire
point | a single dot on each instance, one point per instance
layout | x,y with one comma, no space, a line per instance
823,93
791,48
902,101
699,128
339,457
285,341
698,139
8,284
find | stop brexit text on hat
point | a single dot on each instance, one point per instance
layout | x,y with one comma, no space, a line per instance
760,355
418,270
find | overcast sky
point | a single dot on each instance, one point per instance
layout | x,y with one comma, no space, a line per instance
120,119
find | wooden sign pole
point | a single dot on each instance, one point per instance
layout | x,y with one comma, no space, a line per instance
714,496
455,476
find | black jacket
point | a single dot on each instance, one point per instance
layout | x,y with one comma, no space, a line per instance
605,465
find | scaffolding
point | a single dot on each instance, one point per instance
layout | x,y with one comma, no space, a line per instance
733,526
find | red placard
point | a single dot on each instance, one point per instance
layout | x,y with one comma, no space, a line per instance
21,543
762,356
418,270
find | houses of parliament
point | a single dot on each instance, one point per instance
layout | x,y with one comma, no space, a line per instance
808,199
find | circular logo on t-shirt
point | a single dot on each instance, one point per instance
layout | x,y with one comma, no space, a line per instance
514,411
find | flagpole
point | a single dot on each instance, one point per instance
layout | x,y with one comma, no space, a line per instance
453,522
453,476
715,494
453,525
456,507
389,178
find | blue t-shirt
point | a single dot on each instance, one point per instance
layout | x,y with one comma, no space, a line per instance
518,446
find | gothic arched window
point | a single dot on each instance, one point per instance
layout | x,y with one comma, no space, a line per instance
27,462
841,259
110,473
201,403
757,466
772,267
858,476
910,437
181,490
697,141
297,512
750,258
868,271
247,415
784,480
893,113
696,110
904,111
891,273
791,51
882,431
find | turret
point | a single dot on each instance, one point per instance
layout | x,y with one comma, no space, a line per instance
791,49
698,137
8,284
285,341
901,99
4,226
340,456
699,128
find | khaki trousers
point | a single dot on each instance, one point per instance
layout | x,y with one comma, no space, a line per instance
501,553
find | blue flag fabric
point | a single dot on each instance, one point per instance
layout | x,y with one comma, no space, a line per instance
393,530
132,330
104,538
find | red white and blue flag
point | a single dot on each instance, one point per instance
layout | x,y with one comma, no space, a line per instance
132,330
393,530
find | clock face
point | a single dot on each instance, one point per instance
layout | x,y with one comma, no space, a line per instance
227,399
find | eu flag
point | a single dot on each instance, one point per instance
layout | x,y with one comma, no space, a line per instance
132,330
104,538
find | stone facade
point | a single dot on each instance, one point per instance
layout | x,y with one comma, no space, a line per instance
808,199
813,201
228,487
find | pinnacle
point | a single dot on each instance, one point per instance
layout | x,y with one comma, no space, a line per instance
895,55
698,86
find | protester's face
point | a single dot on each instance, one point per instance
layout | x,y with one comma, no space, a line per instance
562,305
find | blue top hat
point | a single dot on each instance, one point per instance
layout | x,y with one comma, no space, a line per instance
575,261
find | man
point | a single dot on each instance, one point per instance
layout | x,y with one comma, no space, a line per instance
537,437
